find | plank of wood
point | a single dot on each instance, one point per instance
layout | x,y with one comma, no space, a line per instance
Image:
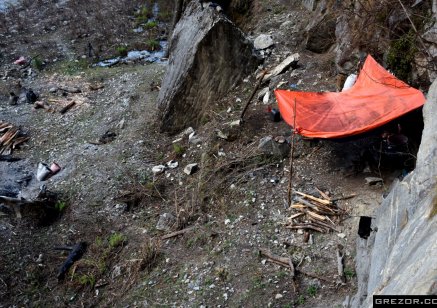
326,202
316,216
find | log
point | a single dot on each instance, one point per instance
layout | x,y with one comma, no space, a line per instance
68,107
176,233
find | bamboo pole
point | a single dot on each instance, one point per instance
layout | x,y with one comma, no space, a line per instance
290,179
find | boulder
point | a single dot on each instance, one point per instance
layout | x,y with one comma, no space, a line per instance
208,56
400,257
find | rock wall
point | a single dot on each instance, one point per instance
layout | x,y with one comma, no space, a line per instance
208,56
400,256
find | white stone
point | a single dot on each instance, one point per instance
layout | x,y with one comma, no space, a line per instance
263,41
341,235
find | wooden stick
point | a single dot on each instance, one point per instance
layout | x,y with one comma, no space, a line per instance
290,179
252,95
68,107
307,226
323,194
325,202
340,263
176,233
323,224
307,203
344,198
295,216
281,260
316,216
313,275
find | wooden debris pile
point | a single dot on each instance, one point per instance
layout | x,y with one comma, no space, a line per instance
315,214
10,138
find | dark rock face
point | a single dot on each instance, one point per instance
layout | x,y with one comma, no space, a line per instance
217,58
400,257
321,35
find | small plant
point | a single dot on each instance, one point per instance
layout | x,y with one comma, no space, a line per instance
150,254
60,206
178,149
152,45
142,16
401,55
37,63
122,51
87,280
116,239
164,16
349,273
301,300
151,24
312,290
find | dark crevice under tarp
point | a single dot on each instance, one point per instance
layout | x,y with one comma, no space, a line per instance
376,98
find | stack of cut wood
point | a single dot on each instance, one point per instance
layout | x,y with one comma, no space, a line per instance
314,213
10,138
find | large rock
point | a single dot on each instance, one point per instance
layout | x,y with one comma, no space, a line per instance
208,56
400,257
321,34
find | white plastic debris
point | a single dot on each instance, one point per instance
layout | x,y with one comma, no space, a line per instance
158,169
350,81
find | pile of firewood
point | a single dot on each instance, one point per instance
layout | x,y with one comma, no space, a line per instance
313,213
10,138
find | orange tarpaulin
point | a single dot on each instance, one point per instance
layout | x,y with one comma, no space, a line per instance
376,98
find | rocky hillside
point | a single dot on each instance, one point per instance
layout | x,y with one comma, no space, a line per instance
165,197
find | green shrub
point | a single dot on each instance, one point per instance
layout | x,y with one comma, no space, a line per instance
116,239
122,51
152,45
37,63
401,56
151,24
60,206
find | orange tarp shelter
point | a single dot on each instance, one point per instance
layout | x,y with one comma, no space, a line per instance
376,98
